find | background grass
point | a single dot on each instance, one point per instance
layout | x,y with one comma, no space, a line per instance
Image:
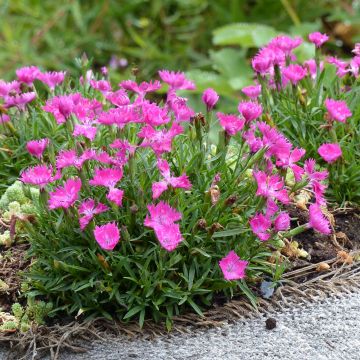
153,34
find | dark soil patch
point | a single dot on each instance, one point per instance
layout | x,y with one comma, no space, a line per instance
13,260
346,236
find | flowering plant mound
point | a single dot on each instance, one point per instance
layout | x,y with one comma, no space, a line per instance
316,105
141,213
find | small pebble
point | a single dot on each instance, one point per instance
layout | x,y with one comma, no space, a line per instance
270,323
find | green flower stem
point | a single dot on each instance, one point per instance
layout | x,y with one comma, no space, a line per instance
296,231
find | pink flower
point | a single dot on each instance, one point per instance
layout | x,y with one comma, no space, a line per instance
118,98
282,222
317,220
141,89
103,86
4,118
271,186
310,65
106,177
52,78
232,124
312,174
40,175
330,152
107,236
65,196
252,91
285,43
161,214
153,114
181,182
262,62
116,196
179,107
169,236
278,145
288,161
37,147
9,88
210,98
260,225
271,208
318,38
19,100
176,80
162,220
340,65
87,131
160,141
294,73
88,209
250,110
27,74
356,49
232,267
337,110
62,106
67,158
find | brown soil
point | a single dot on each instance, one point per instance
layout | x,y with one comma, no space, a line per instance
13,260
346,236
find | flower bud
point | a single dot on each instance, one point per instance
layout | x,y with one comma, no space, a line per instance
210,98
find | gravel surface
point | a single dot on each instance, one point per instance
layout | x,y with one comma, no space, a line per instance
325,330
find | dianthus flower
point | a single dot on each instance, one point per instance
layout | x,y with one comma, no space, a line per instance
4,118
88,209
118,98
37,147
107,236
176,80
86,130
285,43
160,141
341,65
27,74
210,98
282,222
271,186
318,39
62,106
289,159
179,107
116,196
232,267
9,88
260,225
330,152
232,124
67,158
317,220
52,78
19,100
103,86
337,110
262,63
278,145
40,175
310,65
106,177
255,143
252,91
153,114
141,89
65,196
162,219
294,73
356,49
250,110
181,182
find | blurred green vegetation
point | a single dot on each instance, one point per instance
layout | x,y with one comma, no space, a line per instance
156,34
